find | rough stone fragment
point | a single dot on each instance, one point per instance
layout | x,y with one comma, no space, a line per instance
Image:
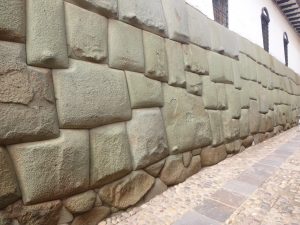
92,217
193,83
215,118
233,147
65,216
233,100
186,121
231,127
254,117
177,20
196,151
80,203
244,123
147,137
143,91
175,63
186,158
12,20
110,154
128,190
86,34
147,15
9,188
60,166
89,95
195,59
211,156
247,142
27,108
46,44
125,47
155,168
158,188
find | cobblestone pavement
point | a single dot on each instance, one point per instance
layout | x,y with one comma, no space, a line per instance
258,186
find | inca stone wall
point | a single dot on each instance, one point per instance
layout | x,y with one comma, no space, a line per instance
106,103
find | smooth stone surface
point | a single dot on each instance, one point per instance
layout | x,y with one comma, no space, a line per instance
244,123
110,154
236,74
92,217
195,59
215,118
147,137
80,203
155,168
263,100
128,190
231,127
186,121
254,117
89,95
125,47
214,94
211,156
60,166
193,83
158,188
86,42
233,100
46,44
244,95
143,91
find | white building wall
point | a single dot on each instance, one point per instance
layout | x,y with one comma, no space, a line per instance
244,19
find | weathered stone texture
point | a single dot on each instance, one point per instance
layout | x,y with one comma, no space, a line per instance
254,117
147,137
233,100
158,188
193,83
65,216
214,95
80,203
110,154
46,44
89,95
143,91
186,121
231,127
27,109
215,118
92,217
211,156
155,168
195,59
244,123
86,34
60,166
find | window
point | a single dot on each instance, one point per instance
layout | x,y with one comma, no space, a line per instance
265,19
285,44
221,11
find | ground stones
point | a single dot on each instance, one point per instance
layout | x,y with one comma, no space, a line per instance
80,203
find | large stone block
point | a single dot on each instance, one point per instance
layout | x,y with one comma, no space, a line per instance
60,166
175,63
147,137
186,121
177,20
253,89
143,91
195,59
193,83
12,20
211,156
214,94
46,44
147,15
125,47
236,74
215,118
110,154
27,104
9,188
254,117
244,95
215,36
233,100
263,100
156,64
244,123
231,127
230,42
89,95
86,34
80,203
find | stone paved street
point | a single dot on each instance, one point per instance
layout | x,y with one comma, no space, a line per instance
258,186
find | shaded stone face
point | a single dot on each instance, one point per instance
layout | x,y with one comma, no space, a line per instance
215,118
80,203
195,59
211,156
193,83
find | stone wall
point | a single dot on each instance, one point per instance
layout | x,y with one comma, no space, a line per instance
106,103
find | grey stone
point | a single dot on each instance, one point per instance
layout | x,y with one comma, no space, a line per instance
186,158
128,190
263,100
195,59
229,41
80,203
215,118
215,36
175,63
9,188
65,216
254,117
60,166
110,154
12,20
177,20
193,83
143,91
244,95
211,156
222,97
46,44
89,95
231,127
156,64
236,74
86,42
92,217
233,100
233,147
186,121
158,188
253,90
147,137
27,104
125,47
155,168
147,15
244,123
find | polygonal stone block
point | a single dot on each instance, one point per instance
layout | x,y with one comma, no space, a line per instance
244,123
46,44
231,127
263,100
211,156
186,121
156,64
147,137
215,118
110,154
254,117
233,100
89,95
143,91
27,104
193,83
229,41
147,15
60,166
85,42
244,95
125,47
215,36
253,89
236,74
177,20
175,63
12,20
214,95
